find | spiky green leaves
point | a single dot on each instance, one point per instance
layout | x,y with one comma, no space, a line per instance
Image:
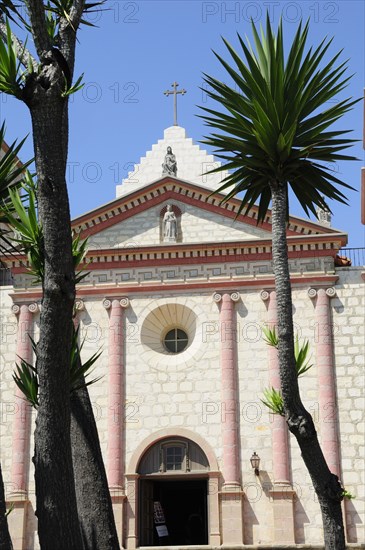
273,127
10,10
11,75
20,212
272,397
273,400
11,169
59,10
75,88
26,376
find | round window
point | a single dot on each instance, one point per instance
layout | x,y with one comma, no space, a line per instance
176,340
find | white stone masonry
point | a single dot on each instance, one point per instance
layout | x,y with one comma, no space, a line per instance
192,163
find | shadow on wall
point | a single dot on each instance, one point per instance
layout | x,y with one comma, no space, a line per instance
300,518
352,519
32,527
250,519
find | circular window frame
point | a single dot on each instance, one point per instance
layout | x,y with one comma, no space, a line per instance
162,315
186,340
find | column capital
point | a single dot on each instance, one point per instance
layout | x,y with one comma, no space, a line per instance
107,303
234,296
15,308
330,292
264,295
79,305
33,308
123,302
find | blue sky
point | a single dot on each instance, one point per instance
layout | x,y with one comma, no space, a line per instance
140,47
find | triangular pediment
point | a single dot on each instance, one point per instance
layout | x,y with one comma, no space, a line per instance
135,220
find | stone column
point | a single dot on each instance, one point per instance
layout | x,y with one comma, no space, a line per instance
231,494
282,492
116,409
21,431
326,377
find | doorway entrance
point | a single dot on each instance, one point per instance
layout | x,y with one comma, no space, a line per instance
184,506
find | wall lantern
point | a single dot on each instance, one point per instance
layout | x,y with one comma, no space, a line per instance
255,463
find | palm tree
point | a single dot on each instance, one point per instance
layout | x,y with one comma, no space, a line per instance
273,134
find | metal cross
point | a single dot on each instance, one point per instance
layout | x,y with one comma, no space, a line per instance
174,92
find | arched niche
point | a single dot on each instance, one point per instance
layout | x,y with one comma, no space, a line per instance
172,433
177,211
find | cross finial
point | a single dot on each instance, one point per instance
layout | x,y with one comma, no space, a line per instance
174,92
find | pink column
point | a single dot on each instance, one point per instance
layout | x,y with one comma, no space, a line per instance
22,415
326,378
282,493
280,443
229,392
116,422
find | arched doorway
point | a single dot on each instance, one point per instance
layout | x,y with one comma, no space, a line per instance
173,494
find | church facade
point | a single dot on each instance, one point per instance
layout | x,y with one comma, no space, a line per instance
178,293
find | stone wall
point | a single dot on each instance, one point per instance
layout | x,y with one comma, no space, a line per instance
184,392
196,226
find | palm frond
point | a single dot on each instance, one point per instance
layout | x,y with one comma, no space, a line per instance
273,126
11,169
11,75
26,375
273,400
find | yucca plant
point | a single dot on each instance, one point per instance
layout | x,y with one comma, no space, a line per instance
20,212
272,131
11,169
301,351
26,375
272,397
10,10
11,174
11,75
273,400
62,9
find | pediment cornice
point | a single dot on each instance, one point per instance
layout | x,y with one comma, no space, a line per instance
173,189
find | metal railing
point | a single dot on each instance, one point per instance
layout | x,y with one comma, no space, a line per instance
356,255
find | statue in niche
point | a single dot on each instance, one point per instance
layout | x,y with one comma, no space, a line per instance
169,225
169,166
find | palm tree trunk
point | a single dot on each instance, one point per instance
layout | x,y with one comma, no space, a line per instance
300,423
94,504
5,540
58,525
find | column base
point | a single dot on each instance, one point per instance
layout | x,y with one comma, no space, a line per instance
282,496
17,519
231,503
118,496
